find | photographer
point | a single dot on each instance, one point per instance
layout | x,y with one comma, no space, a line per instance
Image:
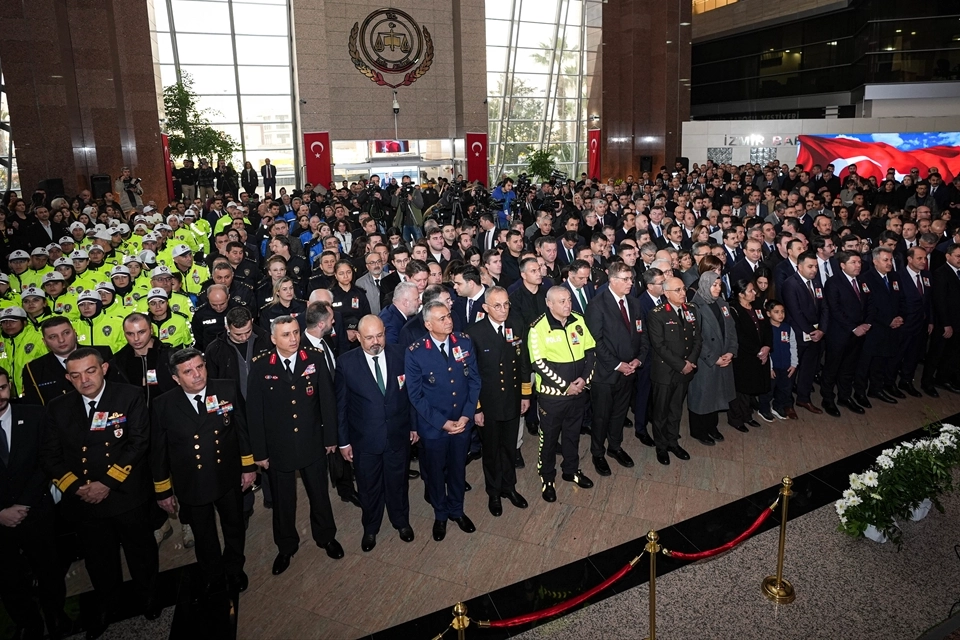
129,190
407,201
505,193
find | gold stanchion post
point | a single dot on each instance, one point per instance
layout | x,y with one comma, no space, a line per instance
460,620
652,548
775,587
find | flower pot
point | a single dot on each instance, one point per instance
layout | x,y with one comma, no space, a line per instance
872,533
921,510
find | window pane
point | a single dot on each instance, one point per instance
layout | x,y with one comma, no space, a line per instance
200,17
498,33
535,35
499,9
266,80
195,48
539,11
263,50
168,75
268,135
255,20
225,106
260,108
530,85
160,17
496,59
165,48
211,80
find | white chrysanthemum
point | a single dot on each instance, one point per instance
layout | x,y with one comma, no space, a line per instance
849,493
840,506
885,462
889,452
843,520
870,478
854,501
907,445
855,482
876,496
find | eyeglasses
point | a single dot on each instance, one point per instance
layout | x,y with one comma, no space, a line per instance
503,306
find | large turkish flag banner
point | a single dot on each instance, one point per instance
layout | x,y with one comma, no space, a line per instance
167,166
593,153
316,149
874,158
477,157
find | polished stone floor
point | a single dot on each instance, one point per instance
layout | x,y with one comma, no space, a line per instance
366,592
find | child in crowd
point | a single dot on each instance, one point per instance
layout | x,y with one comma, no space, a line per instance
778,402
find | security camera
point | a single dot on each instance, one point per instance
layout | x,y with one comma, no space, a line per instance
396,105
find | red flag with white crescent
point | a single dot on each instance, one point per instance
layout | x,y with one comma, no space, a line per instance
593,153
477,157
874,158
318,158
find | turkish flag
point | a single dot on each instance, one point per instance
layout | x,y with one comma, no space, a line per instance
316,149
477,157
167,166
593,153
874,158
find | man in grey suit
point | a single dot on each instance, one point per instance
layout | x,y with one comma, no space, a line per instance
370,281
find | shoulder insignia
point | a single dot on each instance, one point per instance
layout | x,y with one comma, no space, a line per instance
259,355
539,318
419,343
182,315
303,354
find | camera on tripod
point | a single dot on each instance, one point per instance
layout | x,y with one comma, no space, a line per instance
557,178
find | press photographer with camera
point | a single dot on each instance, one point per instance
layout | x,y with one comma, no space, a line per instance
407,201
129,190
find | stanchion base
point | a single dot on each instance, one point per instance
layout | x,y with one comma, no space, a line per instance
780,592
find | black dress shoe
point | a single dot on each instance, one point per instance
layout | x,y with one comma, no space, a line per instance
851,406
368,542
831,408
281,563
706,441
153,608
515,498
532,427
894,392
406,534
881,396
645,438
663,457
909,389
439,530
466,486
474,455
238,582
741,428
753,423
246,519
949,386
98,625
716,435
465,524
578,479
518,462
678,451
333,549
621,457
586,431
627,422
861,400
930,391
549,492
413,474
351,497
267,504
600,464
495,506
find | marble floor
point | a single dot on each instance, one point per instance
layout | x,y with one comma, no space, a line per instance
396,582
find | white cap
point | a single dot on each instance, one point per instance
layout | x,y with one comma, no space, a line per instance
32,292
53,276
129,259
189,213
66,239
19,255
181,250
95,247
161,271
113,223
148,237
173,216
156,218
53,246
104,235
123,228
147,209
39,251
106,286
99,226
231,204
88,296
12,313
137,219
163,227
80,254
141,227
76,225
60,262
4,278
148,257
156,292
119,270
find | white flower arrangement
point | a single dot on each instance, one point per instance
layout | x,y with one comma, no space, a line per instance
901,479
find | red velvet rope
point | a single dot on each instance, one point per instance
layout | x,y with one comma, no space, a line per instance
562,606
730,545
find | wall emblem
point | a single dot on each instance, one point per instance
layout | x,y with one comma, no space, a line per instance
390,42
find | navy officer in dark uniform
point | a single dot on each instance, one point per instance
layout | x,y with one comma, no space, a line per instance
444,386
292,419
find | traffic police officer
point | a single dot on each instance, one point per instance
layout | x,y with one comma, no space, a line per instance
194,275
172,327
94,327
17,345
292,419
440,370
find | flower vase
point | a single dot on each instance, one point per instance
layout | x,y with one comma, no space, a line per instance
921,510
872,533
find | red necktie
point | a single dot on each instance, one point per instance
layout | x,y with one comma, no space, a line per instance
919,285
856,289
623,312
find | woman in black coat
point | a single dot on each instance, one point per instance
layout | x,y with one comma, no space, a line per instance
249,179
751,367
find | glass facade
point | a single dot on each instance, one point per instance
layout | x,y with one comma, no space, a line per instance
9,177
238,54
541,66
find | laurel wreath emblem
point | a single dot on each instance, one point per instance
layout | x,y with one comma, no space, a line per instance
375,75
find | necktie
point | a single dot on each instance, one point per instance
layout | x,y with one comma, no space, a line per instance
377,281
200,405
4,447
657,302
623,314
813,294
856,289
93,409
469,309
286,365
886,283
500,331
569,255
826,269
583,300
443,350
376,366
919,285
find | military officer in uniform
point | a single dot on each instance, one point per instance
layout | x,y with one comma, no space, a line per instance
94,448
674,348
201,452
505,388
442,381
292,419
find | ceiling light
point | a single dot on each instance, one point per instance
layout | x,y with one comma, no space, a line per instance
899,31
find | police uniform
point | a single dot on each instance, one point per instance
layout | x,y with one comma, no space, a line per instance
674,340
443,387
100,330
108,444
560,353
174,329
177,302
16,351
208,323
45,378
292,418
199,453
193,278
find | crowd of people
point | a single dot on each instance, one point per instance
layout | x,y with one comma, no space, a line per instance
163,360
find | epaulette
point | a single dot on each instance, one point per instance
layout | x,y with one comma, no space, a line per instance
266,305
182,315
259,355
310,347
244,284
539,318
416,345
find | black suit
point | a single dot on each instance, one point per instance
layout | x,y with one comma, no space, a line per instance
806,312
36,235
674,341
742,271
269,173
110,449
917,317
878,359
200,456
848,310
377,427
476,314
22,482
588,292
45,378
504,369
941,361
617,342
292,418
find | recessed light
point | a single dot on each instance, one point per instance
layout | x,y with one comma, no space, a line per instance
786,50
899,31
